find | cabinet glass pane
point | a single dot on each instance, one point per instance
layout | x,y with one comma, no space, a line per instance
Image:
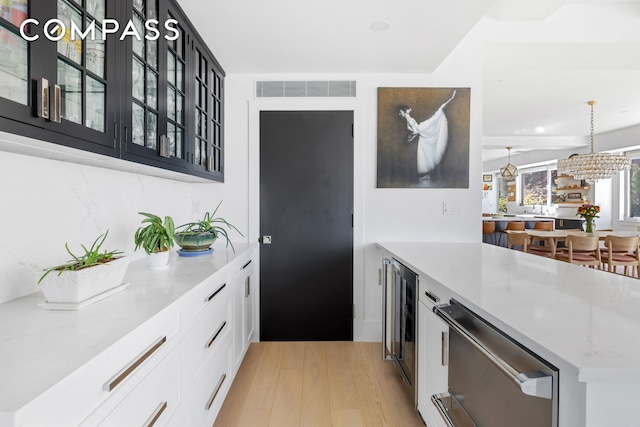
71,49
14,11
95,104
70,81
152,129
171,68
171,133
139,5
179,143
138,45
198,141
152,53
180,109
179,76
14,70
152,89
138,80
137,120
95,53
171,103
96,8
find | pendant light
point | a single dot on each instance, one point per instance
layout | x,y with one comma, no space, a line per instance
593,166
509,172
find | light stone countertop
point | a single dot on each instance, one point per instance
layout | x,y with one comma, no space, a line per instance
38,347
588,318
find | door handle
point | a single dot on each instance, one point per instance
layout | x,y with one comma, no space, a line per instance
265,240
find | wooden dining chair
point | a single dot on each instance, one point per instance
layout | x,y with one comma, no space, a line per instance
488,228
621,251
581,250
512,226
518,239
543,247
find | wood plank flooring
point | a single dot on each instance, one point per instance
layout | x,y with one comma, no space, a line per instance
340,384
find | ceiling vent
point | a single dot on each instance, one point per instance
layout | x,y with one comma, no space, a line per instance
306,89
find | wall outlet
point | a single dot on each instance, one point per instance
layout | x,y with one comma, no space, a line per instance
196,207
451,208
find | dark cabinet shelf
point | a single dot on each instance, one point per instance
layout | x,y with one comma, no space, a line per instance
136,100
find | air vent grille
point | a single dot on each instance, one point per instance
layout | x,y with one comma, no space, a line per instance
306,89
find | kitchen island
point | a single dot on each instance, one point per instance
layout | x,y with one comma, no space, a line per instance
586,322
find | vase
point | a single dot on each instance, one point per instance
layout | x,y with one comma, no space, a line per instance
588,224
80,285
158,260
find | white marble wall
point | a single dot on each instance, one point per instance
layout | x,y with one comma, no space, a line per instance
45,203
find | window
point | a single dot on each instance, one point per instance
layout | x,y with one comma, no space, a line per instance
632,187
537,185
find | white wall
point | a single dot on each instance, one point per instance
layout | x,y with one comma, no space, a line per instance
45,203
380,214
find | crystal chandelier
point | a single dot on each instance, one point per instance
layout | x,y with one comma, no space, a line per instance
509,171
593,166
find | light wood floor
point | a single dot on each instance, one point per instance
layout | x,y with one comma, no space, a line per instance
289,384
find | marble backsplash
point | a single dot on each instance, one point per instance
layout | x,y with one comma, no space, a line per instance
45,203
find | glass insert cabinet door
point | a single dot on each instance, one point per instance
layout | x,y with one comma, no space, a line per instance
14,52
81,72
208,113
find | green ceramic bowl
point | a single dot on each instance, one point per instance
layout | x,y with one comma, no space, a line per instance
195,241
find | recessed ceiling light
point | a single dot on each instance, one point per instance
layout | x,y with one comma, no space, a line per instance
380,26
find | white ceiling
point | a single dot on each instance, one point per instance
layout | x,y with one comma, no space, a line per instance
542,61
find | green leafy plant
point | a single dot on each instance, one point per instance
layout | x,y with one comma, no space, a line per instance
156,236
90,258
503,203
209,224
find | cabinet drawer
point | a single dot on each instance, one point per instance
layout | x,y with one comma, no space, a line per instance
212,292
153,401
206,336
211,386
431,292
104,381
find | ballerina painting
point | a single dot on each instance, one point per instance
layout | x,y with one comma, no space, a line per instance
434,153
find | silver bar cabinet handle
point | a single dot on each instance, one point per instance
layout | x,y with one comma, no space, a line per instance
155,415
215,335
215,392
124,373
216,292
534,383
57,102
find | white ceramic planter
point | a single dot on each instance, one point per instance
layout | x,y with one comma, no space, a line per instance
158,260
78,286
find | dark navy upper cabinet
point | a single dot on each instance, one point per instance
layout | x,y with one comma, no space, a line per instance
155,100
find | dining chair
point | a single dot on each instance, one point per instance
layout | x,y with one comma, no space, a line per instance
488,228
540,246
512,226
621,251
581,250
518,239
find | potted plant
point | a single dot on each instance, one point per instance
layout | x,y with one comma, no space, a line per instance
200,235
156,238
84,276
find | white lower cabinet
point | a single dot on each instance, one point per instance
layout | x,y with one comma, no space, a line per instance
432,361
175,369
245,297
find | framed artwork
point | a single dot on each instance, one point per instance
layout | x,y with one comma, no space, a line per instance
574,196
487,187
487,178
423,137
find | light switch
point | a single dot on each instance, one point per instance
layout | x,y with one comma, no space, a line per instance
451,208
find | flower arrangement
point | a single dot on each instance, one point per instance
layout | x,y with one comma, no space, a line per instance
588,212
